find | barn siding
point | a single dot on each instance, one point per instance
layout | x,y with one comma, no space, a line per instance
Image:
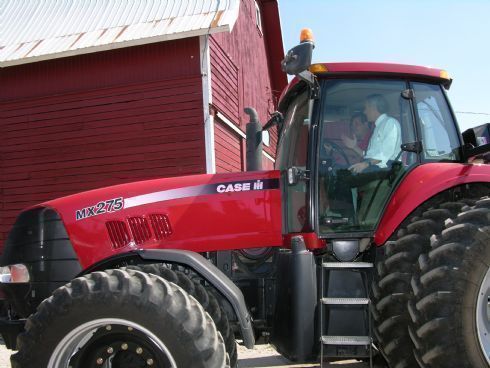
94,120
240,73
228,146
224,82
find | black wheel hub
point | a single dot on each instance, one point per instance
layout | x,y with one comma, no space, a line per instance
117,346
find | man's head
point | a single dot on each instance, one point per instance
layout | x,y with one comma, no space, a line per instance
374,106
359,125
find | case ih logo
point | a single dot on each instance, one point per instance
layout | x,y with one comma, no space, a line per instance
240,187
109,206
117,204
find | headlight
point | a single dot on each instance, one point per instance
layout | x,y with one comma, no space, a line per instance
14,274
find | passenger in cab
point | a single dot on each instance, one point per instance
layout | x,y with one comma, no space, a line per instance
361,131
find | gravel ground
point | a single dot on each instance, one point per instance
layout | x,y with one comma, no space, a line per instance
263,356
4,357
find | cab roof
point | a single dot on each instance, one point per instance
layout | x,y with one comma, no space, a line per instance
391,68
360,69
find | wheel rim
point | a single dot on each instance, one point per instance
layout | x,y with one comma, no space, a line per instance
483,316
111,343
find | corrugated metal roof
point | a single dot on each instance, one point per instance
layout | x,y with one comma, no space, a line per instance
34,30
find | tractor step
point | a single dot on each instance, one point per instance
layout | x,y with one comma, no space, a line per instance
345,301
354,265
346,340
337,337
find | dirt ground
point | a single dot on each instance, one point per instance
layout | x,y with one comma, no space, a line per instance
263,356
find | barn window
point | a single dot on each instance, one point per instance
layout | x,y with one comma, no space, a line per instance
258,18
266,138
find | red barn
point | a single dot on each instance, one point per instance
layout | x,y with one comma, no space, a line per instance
99,93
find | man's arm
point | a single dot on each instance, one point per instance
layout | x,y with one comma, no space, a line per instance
361,166
352,144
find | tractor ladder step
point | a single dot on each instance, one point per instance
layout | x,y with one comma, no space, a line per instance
345,301
333,265
346,340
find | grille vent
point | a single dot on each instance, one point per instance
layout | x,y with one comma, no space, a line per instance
139,229
118,233
161,226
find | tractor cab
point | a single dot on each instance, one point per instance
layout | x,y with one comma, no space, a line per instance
350,133
350,136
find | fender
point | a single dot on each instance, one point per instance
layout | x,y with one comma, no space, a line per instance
200,265
419,185
215,277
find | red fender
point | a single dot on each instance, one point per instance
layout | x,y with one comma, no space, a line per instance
422,183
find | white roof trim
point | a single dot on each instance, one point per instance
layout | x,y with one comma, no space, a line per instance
34,31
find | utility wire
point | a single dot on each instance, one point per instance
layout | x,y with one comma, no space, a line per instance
472,113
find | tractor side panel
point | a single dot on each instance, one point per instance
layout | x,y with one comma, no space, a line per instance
198,213
419,185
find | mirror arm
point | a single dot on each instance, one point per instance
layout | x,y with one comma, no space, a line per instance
470,151
312,82
277,118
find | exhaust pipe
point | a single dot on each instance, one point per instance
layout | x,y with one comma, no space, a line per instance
254,141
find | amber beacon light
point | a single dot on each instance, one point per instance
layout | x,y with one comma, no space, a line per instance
306,35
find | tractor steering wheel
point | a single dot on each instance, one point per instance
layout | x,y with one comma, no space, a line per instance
333,152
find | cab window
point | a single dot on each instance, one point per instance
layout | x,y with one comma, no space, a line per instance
437,128
360,160
293,149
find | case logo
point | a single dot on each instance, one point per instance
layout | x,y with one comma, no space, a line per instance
240,187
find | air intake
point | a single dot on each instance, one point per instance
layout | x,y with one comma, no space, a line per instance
139,229
118,233
161,226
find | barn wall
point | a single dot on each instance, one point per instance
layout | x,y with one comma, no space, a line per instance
94,120
229,148
240,74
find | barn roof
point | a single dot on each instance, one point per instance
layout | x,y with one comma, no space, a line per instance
33,30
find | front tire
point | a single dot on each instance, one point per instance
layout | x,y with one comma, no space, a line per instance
204,296
127,318
450,313
391,289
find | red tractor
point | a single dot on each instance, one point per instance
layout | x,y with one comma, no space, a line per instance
370,240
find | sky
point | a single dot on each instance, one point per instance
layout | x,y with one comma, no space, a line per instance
451,35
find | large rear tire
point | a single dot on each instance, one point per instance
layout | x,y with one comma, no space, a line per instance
450,312
205,297
120,319
391,289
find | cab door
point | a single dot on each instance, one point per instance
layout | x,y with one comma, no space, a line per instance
359,166
293,153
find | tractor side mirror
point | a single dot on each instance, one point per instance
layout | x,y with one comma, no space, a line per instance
469,138
298,59
476,141
477,136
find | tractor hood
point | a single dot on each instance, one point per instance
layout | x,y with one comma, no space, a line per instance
199,213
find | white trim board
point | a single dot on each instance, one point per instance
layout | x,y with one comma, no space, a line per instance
268,156
207,100
235,128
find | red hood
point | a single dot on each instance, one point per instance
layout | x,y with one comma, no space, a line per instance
202,213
